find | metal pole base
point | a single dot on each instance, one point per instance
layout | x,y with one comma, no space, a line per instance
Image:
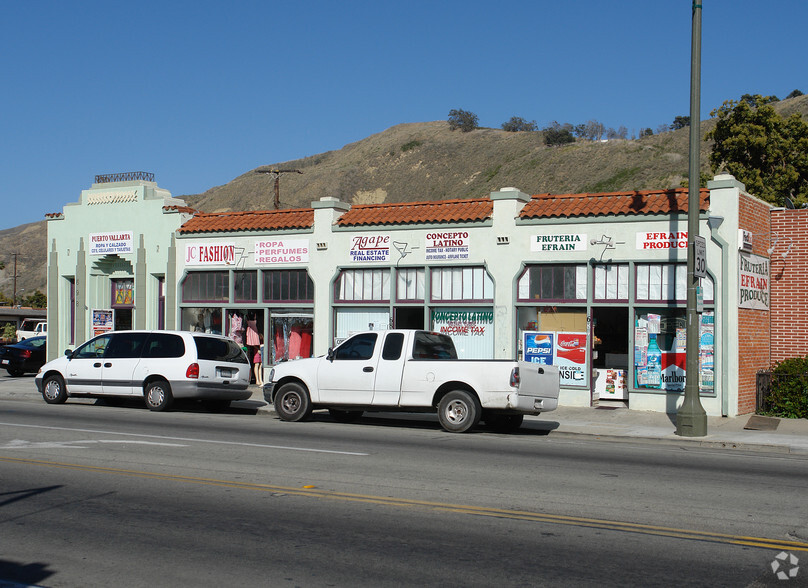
691,420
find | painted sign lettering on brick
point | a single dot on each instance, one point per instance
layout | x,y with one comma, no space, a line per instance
753,281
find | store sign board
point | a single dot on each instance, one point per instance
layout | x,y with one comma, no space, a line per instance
654,241
281,251
212,253
753,281
111,243
556,243
365,248
446,246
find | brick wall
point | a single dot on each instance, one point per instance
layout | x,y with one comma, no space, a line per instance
754,326
789,284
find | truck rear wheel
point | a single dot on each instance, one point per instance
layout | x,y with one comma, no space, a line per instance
292,402
459,411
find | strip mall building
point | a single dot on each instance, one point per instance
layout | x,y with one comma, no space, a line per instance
594,283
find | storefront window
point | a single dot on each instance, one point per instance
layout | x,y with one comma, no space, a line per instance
202,320
206,287
611,283
667,282
472,330
556,283
245,287
123,293
461,284
288,286
410,285
354,285
660,339
291,337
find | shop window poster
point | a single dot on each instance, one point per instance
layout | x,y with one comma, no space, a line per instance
539,347
562,349
660,357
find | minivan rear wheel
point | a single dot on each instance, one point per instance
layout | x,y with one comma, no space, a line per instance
158,395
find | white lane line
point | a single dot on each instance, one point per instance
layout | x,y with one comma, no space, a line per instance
23,444
189,439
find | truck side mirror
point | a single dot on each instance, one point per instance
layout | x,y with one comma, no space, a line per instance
330,355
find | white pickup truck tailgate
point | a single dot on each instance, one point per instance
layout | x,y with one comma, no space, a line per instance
538,386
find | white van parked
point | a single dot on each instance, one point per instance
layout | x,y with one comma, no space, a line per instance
157,365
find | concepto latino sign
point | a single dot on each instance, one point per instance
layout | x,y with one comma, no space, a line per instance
446,245
111,243
210,254
753,281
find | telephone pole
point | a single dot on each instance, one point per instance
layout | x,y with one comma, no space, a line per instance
691,419
276,173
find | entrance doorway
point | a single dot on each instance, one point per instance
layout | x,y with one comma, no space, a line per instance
408,317
123,319
610,355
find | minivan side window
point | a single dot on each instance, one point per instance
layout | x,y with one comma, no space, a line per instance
93,348
163,345
125,345
215,349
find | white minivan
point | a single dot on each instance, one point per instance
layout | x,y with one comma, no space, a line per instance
157,365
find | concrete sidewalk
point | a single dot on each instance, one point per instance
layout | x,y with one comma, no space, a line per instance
609,423
612,423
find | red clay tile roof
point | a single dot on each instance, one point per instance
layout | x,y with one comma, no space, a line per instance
612,203
180,209
405,213
251,220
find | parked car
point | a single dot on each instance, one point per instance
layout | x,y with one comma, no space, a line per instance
31,327
156,365
23,357
412,371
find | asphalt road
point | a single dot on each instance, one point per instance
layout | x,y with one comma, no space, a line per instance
95,495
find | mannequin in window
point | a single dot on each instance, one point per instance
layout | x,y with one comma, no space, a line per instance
258,361
253,341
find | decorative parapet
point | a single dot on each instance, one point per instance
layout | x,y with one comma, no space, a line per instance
124,177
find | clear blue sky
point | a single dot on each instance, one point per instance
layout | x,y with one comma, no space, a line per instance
201,92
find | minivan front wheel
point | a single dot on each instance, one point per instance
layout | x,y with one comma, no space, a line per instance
158,395
53,390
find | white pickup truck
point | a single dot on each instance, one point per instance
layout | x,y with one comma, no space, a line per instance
412,371
31,327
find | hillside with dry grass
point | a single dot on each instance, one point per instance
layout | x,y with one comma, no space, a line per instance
427,161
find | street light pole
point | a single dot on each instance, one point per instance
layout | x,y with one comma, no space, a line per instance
691,419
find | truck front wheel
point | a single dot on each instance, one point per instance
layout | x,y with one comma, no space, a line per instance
292,402
459,411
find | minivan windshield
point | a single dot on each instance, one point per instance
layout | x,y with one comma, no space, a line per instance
216,349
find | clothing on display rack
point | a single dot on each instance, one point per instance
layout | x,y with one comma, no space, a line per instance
252,333
236,332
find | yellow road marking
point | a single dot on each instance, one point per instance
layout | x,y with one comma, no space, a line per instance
538,517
